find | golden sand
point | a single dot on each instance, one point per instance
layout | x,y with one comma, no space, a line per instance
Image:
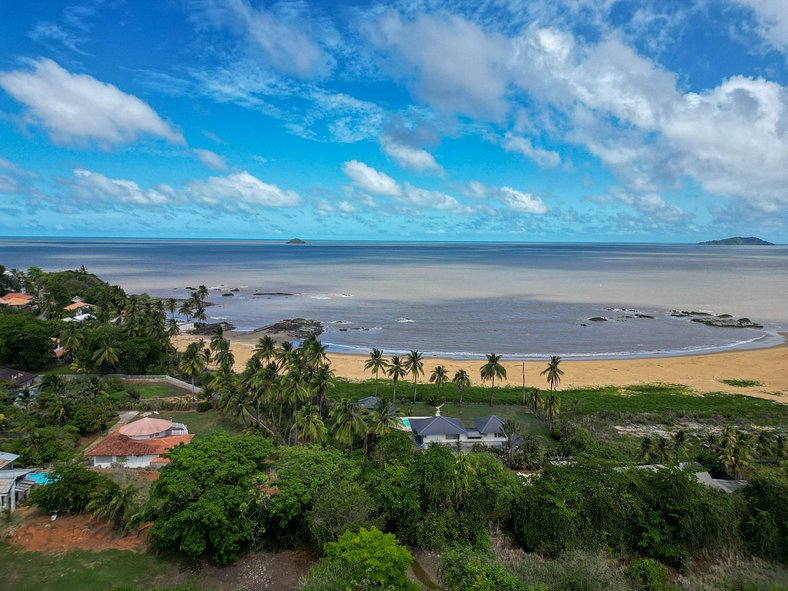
698,372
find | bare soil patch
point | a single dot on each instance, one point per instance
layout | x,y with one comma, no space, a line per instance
261,571
38,533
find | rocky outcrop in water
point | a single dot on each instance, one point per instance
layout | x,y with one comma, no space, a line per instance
297,328
728,322
738,241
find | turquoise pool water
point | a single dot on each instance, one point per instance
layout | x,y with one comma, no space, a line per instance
406,422
40,477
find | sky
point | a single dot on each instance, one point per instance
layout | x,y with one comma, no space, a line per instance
428,120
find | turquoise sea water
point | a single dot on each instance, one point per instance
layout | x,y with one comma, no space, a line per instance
457,299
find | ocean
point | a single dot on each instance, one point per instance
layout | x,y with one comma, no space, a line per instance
524,301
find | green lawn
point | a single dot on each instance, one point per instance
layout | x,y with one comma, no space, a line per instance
148,390
86,571
205,423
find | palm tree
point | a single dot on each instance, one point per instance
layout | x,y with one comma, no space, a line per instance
415,367
461,380
439,376
663,450
553,372
552,405
309,424
765,448
535,398
679,441
322,380
735,457
510,431
73,339
186,309
396,370
106,353
265,348
646,449
491,370
192,362
24,399
462,477
375,363
347,423
224,356
171,305
113,502
201,293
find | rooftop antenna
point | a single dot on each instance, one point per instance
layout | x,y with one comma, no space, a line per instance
438,409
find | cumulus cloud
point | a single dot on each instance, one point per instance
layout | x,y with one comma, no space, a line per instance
524,146
78,109
210,159
283,39
522,202
652,207
434,200
370,180
772,16
235,192
409,157
451,63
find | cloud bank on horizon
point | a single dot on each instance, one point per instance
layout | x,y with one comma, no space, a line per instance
565,120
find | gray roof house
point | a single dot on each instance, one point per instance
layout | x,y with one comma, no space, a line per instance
7,460
14,487
16,379
449,431
370,403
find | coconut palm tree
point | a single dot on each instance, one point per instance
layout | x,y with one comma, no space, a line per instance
265,348
396,370
462,381
439,376
415,367
491,370
663,450
375,363
535,398
284,353
171,305
552,405
462,477
347,423
186,310
646,449
765,447
113,502
223,355
309,424
192,362
553,372
201,293
73,339
107,353
321,382
735,457
679,441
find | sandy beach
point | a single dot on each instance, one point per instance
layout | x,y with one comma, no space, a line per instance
699,372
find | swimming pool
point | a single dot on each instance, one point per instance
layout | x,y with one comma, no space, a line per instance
40,477
406,422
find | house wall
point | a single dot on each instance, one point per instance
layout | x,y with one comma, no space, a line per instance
126,461
488,439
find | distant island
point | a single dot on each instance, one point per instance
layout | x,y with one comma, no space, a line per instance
296,241
738,241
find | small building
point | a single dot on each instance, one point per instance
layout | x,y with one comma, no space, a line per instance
15,485
450,431
370,403
139,444
80,318
16,300
7,460
80,307
16,379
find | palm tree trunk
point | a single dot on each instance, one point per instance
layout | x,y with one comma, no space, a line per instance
414,389
377,383
492,390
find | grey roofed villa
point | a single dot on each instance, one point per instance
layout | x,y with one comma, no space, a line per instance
447,431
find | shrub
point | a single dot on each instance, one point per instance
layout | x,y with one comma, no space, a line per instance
649,574
766,520
70,490
462,570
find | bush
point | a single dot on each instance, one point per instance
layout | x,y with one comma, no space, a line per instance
337,509
462,570
765,524
203,406
70,490
649,574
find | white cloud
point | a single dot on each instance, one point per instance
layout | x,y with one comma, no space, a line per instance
523,145
434,200
370,180
234,192
451,63
283,39
78,109
211,159
772,16
523,202
346,207
652,207
416,159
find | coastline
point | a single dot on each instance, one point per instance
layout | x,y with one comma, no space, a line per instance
768,365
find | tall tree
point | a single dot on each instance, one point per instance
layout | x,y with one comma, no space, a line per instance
462,381
535,398
265,348
396,370
415,367
107,353
310,425
553,372
552,406
679,441
491,370
192,362
439,376
375,363
347,423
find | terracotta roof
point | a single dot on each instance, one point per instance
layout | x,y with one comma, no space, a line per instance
146,426
116,444
17,296
78,305
160,460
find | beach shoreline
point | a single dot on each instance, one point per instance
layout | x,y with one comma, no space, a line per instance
702,373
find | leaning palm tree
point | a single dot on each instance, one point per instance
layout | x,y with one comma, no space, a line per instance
491,370
375,363
552,405
415,367
396,370
461,380
439,376
553,372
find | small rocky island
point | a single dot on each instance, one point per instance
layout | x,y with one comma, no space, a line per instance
737,241
295,241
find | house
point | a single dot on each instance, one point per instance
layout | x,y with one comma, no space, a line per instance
80,318
80,307
370,403
7,460
449,431
17,300
16,379
15,485
139,444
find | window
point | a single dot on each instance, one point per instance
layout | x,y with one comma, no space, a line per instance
452,437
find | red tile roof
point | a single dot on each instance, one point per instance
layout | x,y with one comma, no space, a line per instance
116,444
78,306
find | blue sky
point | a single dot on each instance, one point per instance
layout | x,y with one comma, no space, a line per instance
512,120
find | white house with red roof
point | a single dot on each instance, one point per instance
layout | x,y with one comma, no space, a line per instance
139,444
16,300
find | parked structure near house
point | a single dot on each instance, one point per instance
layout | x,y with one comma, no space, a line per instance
139,444
14,487
450,431
16,379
